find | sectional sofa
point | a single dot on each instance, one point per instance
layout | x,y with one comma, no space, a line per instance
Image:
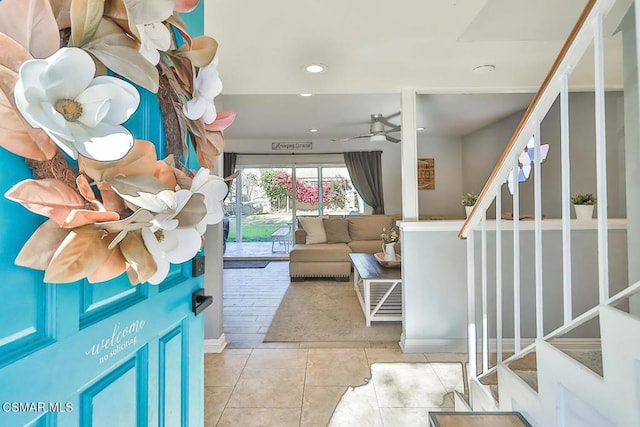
322,244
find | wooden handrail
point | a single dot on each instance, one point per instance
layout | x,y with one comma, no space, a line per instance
527,115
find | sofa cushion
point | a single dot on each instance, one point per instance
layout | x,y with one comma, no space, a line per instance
366,246
327,252
337,230
369,227
314,227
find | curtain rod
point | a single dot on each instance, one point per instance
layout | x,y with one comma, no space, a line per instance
292,154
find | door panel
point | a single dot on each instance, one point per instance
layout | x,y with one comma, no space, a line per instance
106,354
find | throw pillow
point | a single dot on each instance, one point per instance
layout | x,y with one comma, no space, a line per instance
314,228
337,230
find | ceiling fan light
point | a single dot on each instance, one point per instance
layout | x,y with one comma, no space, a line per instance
378,138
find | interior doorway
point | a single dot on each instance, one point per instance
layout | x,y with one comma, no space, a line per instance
265,200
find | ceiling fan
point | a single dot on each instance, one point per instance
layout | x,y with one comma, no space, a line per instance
377,131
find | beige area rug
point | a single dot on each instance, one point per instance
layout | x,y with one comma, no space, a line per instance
325,311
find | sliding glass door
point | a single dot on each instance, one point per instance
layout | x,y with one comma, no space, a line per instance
265,200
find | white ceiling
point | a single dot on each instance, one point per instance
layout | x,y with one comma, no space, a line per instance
380,47
289,117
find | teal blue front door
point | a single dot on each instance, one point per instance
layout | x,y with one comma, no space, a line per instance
108,354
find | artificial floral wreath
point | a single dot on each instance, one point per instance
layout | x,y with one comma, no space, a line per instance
121,210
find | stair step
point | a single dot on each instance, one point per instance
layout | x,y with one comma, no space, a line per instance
491,381
592,359
529,377
477,419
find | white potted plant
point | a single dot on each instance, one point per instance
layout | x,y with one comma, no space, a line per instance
468,201
583,205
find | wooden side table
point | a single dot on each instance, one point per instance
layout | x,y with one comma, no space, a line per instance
379,289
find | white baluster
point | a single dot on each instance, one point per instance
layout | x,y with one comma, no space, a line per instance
499,274
485,311
601,163
471,307
566,199
516,257
537,196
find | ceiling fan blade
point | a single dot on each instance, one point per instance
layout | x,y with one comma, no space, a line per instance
395,129
386,122
392,139
353,137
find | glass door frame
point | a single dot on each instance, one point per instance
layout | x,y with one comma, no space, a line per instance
319,166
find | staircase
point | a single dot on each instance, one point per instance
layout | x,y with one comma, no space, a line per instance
550,377
551,386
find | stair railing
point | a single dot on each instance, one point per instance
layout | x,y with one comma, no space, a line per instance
588,29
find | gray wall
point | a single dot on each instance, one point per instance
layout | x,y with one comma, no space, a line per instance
584,273
434,278
482,149
447,154
434,289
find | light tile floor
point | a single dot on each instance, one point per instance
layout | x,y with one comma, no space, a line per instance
314,384
328,386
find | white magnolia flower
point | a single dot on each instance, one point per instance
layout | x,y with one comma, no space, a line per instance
153,37
170,247
80,113
214,190
208,86
171,242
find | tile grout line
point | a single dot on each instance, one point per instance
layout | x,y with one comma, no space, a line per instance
375,391
304,386
234,386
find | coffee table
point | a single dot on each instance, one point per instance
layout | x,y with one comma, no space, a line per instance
379,289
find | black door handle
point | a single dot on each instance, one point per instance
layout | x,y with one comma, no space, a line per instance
200,301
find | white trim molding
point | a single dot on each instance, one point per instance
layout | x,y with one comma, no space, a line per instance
450,345
215,345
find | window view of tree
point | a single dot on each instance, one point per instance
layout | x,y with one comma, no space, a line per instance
269,196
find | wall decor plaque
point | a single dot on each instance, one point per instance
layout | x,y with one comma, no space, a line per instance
292,146
426,174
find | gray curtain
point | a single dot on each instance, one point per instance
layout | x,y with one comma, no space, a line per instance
365,170
229,166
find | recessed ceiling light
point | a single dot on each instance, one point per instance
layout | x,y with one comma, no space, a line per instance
306,94
315,68
420,128
313,130
487,68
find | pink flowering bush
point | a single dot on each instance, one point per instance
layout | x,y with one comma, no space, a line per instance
278,185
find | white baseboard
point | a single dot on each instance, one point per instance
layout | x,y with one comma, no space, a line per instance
215,345
451,345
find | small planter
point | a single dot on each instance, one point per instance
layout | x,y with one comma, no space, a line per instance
584,212
468,210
